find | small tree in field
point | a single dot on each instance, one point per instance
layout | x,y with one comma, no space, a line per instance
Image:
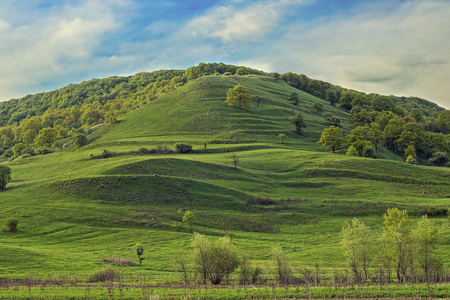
235,159
427,237
357,243
282,137
188,219
5,177
11,223
239,96
139,250
298,122
293,98
332,138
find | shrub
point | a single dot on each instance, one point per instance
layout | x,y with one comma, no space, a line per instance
183,148
123,261
11,223
139,250
105,154
352,151
79,139
214,262
436,211
284,272
103,275
369,151
260,201
410,160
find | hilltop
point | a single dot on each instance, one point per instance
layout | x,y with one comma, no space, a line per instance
81,204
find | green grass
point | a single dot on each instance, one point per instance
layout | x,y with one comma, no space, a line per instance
75,211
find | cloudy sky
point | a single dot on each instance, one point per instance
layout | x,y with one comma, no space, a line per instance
399,47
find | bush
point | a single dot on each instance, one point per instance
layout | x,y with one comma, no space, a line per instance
105,154
260,201
11,223
214,262
103,275
123,261
436,211
183,148
410,160
352,151
370,152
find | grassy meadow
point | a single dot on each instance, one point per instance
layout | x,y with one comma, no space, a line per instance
76,209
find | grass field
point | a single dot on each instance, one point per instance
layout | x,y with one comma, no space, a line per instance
75,211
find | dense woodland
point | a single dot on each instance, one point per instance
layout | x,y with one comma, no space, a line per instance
45,122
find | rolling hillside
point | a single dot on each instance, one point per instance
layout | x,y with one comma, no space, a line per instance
77,208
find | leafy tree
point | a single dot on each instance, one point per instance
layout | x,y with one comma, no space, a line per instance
5,176
332,138
284,271
375,135
235,159
331,96
332,119
298,122
369,151
398,242
293,98
276,76
352,151
188,219
358,246
139,250
282,137
410,159
427,237
239,96
257,100
380,103
11,223
46,137
410,151
79,139
216,261
318,107
417,115
443,120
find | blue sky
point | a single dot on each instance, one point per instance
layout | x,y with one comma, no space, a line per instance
388,47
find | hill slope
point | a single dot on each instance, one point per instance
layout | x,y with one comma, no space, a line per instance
75,209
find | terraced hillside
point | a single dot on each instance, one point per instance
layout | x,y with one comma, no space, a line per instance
79,207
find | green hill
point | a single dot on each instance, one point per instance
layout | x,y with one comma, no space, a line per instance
77,208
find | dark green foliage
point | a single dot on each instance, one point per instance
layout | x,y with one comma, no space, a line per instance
369,151
318,107
79,139
139,250
293,98
183,148
436,211
298,122
5,176
12,223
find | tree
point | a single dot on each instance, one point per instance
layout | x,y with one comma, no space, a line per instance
284,272
11,223
380,103
352,151
332,119
318,107
298,121
427,237
293,98
331,96
332,138
257,100
5,176
282,137
357,243
214,262
239,96
443,120
188,219
375,135
79,139
398,242
235,159
139,250
410,151
46,137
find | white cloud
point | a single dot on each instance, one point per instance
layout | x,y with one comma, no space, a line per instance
403,50
48,48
